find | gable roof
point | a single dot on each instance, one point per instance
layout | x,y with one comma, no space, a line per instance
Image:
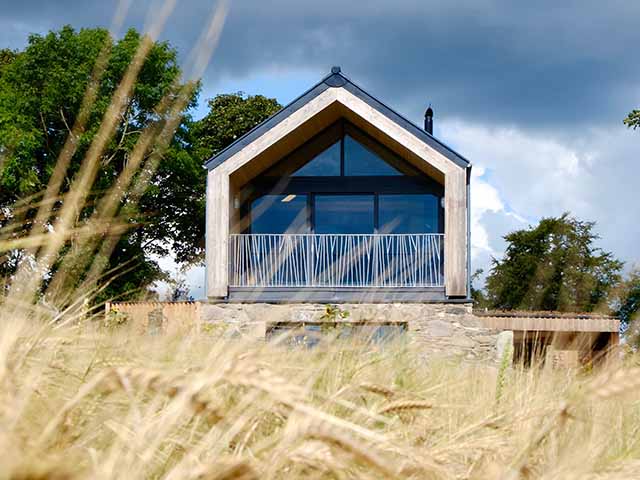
335,80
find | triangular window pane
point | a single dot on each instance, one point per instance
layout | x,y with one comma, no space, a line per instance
360,161
326,163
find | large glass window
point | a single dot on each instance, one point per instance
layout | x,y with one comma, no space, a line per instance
326,163
342,181
342,150
347,214
279,214
360,161
409,213
344,214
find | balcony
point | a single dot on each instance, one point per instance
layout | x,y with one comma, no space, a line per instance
360,261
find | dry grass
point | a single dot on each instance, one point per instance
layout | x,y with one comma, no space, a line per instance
83,402
78,401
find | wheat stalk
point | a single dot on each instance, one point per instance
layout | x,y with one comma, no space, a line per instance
377,389
239,470
404,405
615,384
357,448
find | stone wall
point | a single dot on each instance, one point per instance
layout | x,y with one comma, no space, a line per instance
447,329
173,318
443,329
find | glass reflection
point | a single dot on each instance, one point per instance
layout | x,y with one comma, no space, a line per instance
408,213
344,214
324,164
279,214
360,161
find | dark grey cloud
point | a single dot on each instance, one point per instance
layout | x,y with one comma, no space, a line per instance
531,63
536,64
533,92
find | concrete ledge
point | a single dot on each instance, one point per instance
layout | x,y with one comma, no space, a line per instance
336,295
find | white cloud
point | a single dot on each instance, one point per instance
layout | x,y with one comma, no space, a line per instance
520,177
485,198
532,173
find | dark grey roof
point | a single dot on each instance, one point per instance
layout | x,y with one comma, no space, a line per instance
333,80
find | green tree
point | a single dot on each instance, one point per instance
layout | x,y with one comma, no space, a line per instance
41,92
7,56
478,296
628,310
633,119
554,266
230,116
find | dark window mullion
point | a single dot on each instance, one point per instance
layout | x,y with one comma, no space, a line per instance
342,149
376,216
311,205
311,200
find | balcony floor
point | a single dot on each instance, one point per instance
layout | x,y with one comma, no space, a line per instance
338,295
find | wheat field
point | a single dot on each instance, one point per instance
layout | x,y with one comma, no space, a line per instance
82,400
91,402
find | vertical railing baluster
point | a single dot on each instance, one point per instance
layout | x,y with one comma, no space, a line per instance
353,260
311,260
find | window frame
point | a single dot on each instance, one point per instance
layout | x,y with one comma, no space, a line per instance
278,179
337,132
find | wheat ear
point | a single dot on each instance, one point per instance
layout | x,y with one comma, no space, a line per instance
240,470
404,405
377,389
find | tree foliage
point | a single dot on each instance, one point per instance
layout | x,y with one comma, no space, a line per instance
633,119
7,56
628,309
229,117
554,266
41,92
477,294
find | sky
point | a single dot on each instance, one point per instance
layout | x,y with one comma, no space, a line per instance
533,93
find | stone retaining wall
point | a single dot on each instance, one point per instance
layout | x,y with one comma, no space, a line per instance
443,329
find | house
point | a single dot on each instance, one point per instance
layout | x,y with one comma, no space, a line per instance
337,198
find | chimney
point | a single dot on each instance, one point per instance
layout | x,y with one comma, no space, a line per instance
428,120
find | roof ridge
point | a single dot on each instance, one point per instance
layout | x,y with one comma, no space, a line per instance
336,79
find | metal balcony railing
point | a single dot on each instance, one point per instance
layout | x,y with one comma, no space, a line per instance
335,260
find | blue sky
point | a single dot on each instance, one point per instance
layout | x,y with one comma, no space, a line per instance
533,93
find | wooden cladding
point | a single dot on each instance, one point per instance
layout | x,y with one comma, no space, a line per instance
552,324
